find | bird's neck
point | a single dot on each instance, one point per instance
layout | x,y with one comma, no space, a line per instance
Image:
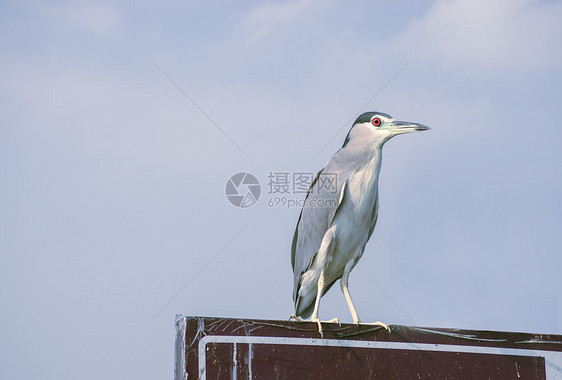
372,167
366,171
370,160
376,161
362,161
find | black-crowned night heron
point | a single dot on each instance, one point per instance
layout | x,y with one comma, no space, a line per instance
335,224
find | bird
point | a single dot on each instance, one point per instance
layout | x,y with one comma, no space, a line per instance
339,215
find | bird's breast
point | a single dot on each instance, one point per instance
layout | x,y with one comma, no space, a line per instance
363,194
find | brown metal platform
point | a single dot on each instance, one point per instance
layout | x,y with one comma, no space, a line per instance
223,348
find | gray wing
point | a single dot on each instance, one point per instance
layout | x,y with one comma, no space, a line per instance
314,221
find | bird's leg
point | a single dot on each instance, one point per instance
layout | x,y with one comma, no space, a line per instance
321,285
345,291
347,295
314,317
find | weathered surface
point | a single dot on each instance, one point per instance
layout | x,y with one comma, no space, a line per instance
257,349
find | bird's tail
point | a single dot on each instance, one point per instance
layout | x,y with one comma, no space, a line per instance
304,304
304,307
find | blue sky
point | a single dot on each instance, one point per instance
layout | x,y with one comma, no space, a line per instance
112,181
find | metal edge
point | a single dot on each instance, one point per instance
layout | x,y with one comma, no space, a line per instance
180,370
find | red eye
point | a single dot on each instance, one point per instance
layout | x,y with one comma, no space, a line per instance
377,122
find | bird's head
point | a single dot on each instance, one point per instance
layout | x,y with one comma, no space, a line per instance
378,127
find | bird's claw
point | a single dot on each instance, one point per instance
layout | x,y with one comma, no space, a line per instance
319,323
295,318
334,320
378,323
317,320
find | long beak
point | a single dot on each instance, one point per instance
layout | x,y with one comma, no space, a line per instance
398,127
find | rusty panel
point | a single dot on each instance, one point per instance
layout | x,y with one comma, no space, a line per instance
253,349
298,362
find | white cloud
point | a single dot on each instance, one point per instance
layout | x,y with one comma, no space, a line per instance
262,21
488,35
92,17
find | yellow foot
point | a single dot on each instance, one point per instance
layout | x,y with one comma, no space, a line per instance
319,322
378,323
295,318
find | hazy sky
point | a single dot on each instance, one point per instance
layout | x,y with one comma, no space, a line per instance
112,191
